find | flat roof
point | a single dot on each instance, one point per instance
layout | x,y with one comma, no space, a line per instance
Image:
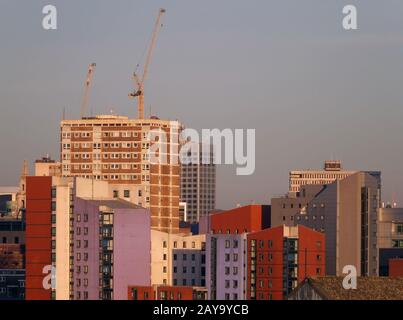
114,203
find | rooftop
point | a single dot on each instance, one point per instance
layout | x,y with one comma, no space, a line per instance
8,190
115,204
368,288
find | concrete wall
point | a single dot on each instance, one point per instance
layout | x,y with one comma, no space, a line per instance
159,252
132,246
216,265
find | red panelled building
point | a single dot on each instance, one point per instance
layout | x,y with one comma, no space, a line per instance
395,267
241,220
280,258
166,293
38,236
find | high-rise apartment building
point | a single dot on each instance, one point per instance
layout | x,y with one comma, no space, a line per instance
346,211
332,171
198,183
117,150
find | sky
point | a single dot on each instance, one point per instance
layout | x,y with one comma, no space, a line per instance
286,68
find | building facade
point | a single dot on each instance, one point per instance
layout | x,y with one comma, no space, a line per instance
331,172
284,208
111,248
280,258
347,212
198,183
389,238
226,266
118,150
166,293
178,259
12,284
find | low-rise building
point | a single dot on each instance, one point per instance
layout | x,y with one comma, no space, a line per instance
111,248
331,288
178,259
166,293
226,266
280,258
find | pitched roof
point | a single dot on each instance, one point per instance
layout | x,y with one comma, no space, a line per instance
368,288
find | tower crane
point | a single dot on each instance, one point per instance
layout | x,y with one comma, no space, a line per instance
139,82
87,89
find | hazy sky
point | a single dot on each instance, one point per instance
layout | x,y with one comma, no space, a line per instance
287,68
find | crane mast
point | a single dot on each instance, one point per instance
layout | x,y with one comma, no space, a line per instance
139,83
87,89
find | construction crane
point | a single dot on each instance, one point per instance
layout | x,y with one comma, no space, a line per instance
139,83
87,89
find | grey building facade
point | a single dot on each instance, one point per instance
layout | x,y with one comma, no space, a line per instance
198,183
347,212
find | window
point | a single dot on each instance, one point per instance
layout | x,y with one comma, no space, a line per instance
127,193
227,244
115,193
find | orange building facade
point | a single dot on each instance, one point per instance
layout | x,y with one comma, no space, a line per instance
38,236
241,220
280,258
396,268
166,293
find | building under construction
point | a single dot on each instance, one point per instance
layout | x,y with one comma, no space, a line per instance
117,149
